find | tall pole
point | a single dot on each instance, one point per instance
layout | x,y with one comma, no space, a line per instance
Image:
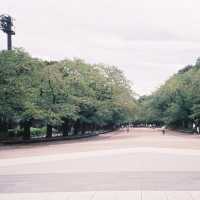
9,41
6,24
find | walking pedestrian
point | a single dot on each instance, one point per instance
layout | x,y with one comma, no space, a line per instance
198,130
127,129
194,128
163,130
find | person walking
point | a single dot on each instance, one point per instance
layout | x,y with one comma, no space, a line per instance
163,130
127,129
198,130
194,128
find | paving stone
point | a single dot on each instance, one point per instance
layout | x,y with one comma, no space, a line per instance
151,195
183,195
128,195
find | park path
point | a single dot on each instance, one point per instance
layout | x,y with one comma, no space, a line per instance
141,164
104,195
136,137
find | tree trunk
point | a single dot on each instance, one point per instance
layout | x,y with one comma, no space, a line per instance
183,124
27,131
76,127
49,131
82,128
66,128
3,128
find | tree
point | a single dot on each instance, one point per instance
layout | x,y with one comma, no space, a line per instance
176,103
16,72
66,95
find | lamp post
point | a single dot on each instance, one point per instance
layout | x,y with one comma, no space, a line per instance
6,24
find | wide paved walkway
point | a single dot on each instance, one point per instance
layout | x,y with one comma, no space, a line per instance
141,164
105,195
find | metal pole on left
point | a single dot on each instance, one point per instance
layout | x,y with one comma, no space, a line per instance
9,41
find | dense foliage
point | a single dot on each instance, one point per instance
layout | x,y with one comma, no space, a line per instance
69,97
177,102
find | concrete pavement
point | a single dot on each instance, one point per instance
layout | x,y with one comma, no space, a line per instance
123,172
106,195
100,181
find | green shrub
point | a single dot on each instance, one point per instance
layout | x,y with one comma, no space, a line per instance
36,132
15,132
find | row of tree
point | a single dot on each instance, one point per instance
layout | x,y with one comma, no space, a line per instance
176,103
70,96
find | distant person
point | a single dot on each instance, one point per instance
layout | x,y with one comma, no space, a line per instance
194,127
127,129
198,130
163,129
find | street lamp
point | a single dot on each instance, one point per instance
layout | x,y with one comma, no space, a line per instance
6,24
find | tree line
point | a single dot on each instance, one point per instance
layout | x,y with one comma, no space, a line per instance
176,103
68,96
71,97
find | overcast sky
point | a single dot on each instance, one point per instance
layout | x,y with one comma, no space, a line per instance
148,39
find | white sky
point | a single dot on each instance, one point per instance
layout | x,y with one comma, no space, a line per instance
148,39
